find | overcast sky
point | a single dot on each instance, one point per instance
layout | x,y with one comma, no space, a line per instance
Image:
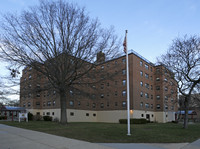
151,24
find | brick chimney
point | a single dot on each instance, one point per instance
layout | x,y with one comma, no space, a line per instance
100,57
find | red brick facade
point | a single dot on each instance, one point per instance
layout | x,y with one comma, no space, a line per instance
105,88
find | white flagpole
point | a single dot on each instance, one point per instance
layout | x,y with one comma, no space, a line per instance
128,97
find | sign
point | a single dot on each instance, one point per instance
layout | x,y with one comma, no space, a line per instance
23,115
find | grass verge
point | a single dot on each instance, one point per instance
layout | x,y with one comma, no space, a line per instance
116,133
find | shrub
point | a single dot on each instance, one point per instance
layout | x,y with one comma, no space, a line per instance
37,117
56,119
133,121
30,116
2,117
175,122
47,118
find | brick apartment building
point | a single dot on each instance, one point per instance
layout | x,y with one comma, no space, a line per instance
153,95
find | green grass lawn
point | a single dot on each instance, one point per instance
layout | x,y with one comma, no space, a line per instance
109,133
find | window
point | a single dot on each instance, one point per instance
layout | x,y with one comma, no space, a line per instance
123,60
71,92
141,104
141,63
124,93
54,92
29,95
157,87
157,79
151,106
141,73
116,103
151,87
147,105
48,113
108,104
166,88
38,86
43,113
172,107
147,66
172,100
71,103
38,95
79,103
172,91
146,95
146,75
108,95
141,94
52,113
29,104
102,67
108,84
115,62
166,107
94,114
87,114
141,83
124,104
102,105
102,86
93,105
71,113
102,95
158,97
147,85
151,96
157,70
49,103
37,103
166,98
142,115
165,80
44,104
30,77
115,93
124,82
158,106
123,71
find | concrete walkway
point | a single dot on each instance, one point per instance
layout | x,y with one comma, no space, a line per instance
17,138
145,145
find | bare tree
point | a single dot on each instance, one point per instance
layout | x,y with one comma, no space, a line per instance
57,39
183,59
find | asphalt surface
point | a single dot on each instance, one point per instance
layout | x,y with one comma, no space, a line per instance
17,138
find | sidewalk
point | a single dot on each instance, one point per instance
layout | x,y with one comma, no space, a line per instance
17,138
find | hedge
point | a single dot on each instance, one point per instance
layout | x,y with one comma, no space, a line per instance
2,117
47,118
134,121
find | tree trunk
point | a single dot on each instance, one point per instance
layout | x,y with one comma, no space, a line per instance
185,124
63,105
